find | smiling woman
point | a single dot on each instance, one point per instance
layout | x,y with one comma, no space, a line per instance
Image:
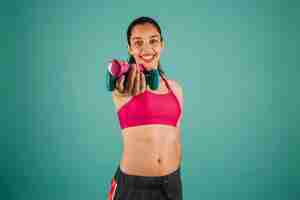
142,32
149,121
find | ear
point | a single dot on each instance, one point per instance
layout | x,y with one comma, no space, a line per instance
129,49
163,44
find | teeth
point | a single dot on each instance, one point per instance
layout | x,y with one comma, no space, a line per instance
147,57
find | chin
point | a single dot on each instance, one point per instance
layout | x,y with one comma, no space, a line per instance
150,66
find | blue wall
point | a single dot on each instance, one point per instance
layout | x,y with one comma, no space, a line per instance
237,62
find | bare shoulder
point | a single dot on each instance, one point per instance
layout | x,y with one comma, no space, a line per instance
178,91
176,86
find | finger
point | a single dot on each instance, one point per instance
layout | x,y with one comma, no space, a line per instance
119,85
122,83
131,78
143,82
137,83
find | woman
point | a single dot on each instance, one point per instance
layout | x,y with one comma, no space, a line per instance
150,123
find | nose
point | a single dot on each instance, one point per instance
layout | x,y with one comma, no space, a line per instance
146,46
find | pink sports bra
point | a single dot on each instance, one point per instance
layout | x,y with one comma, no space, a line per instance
150,108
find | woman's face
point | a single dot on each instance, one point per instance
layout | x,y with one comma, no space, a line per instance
146,45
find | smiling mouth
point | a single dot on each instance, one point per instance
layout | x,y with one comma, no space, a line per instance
148,58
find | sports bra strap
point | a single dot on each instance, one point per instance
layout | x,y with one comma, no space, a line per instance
166,82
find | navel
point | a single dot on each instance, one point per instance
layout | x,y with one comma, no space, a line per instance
159,160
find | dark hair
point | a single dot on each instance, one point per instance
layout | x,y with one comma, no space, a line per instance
143,20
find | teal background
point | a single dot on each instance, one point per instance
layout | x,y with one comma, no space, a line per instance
238,64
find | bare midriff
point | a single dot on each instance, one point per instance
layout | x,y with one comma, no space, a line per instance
150,150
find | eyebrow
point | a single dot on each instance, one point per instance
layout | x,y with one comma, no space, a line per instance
152,36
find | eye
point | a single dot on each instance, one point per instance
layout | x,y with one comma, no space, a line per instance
153,41
138,43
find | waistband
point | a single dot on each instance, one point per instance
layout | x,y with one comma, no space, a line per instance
146,182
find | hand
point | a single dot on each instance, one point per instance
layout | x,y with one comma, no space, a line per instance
120,86
139,83
136,82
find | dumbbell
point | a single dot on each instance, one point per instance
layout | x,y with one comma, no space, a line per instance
118,68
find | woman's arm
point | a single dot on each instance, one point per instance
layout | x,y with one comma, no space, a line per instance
178,91
136,84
